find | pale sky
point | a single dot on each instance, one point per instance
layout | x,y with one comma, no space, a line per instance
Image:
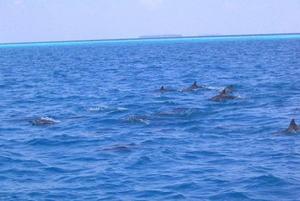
53,20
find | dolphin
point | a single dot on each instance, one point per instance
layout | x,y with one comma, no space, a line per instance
162,88
193,87
165,89
120,147
43,121
138,119
229,89
225,94
293,127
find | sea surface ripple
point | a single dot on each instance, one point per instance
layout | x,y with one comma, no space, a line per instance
118,138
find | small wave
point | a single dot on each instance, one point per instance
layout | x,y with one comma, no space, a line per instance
206,154
183,186
141,162
230,196
238,96
178,112
25,162
104,108
97,108
213,88
42,141
138,119
63,140
55,170
122,109
265,180
177,196
159,194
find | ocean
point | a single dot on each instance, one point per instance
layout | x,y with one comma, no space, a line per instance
115,136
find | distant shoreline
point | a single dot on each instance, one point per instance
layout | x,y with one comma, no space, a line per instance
141,38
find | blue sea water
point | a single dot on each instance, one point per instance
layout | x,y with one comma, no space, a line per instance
119,138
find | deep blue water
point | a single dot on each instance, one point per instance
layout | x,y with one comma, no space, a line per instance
118,138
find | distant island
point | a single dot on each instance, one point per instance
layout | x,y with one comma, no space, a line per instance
162,36
207,36
168,36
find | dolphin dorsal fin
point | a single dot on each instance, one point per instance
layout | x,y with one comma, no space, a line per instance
228,89
223,92
293,124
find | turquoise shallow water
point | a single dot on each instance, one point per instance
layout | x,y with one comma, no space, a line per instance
119,138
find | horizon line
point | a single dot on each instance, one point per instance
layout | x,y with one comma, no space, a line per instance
155,37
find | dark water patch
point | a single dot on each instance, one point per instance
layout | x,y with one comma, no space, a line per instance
63,140
206,155
266,180
120,147
156,194
238,196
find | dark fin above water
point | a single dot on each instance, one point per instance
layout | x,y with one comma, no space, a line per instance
193,87
165,89
229,89
225,94
293,127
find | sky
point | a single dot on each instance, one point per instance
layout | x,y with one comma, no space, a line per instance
60,20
